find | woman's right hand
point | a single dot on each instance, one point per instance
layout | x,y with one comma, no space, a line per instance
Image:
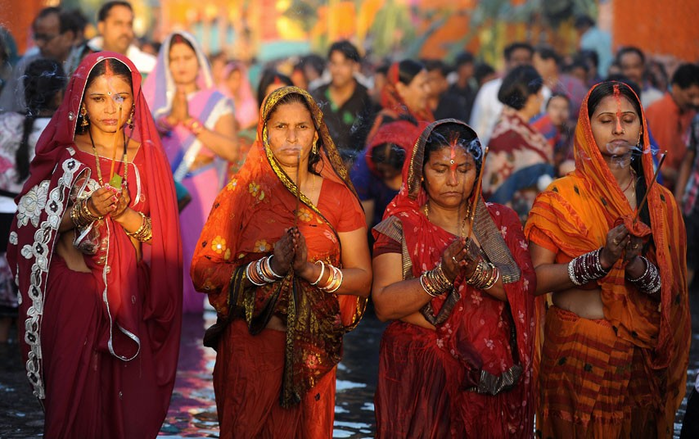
617,240
180,107
284,254
103,201
454,258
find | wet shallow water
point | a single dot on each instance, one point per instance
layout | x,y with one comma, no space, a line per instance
192,411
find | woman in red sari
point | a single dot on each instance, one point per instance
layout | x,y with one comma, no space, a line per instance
96,253
454,275
405,95
285,262
616,338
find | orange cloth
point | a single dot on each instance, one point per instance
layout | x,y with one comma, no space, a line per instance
248,217
573,217
669,125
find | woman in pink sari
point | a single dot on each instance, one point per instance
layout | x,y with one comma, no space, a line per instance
197,126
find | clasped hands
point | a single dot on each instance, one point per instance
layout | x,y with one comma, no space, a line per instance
108,200
620,243
291,253
461,256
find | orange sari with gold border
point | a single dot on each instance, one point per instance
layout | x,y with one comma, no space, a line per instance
573,216
250,214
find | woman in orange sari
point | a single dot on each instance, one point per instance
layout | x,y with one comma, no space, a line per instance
616,340
285,262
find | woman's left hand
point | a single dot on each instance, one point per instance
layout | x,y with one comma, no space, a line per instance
301,264
633,248
122,204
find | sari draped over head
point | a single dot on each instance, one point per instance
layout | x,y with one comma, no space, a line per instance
250,214
518,155
194,165
246,107
393,106
487,343
140,311
573,216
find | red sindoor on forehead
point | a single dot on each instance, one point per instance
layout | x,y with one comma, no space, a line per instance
617,97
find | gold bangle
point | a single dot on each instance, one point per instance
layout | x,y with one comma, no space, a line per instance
144,232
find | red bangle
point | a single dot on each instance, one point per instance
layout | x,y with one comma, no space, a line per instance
194,126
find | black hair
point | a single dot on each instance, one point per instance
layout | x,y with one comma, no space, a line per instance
547,52
436,64
345,48
70,22
178,38
118,69
583,21
686,76
408,69
509,49
382,69
46,12
297,98
577,63
520,83
558,95
600,92
630,49
43,80
103,13
463,136
482,70
390,154
316,62
589,55
625,79
269,77
463,58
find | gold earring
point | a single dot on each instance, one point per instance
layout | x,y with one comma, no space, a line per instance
315,147
83,112
129,121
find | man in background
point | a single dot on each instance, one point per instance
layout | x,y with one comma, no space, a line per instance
345,102
115,26
55,32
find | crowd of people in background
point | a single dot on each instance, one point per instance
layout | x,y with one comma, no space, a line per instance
393,137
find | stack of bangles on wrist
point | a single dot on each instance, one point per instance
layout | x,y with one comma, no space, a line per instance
145,232
334,280
649,281
435,282
260,272
81,215
586,268
485,276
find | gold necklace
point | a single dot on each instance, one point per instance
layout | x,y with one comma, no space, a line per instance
461,233
97,159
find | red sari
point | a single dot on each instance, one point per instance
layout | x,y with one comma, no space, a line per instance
101,357
428,379
270,383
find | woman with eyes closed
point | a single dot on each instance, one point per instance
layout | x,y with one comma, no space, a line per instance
198,128
285,262
454,276
95,250
609,248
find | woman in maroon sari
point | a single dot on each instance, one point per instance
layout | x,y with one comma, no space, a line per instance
454,274
96,253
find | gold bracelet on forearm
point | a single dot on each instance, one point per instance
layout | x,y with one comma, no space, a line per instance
144,232
81,215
